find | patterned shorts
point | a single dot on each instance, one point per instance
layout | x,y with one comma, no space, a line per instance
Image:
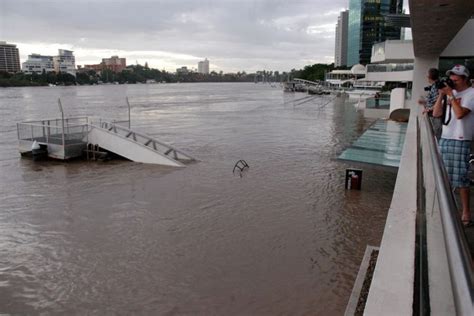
455,155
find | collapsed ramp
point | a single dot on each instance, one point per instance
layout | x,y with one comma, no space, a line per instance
135,146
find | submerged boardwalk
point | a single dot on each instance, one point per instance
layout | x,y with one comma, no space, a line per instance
381,144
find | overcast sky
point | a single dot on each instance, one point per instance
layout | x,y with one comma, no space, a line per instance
234,35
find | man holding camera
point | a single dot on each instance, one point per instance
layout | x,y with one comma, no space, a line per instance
458,129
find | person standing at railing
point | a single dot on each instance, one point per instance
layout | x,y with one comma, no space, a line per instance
430,100
458,129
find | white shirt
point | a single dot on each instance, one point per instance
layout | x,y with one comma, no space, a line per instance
461,129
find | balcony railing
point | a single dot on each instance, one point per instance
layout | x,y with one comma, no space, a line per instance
441,212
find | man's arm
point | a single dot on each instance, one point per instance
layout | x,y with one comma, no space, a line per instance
458,110
438,106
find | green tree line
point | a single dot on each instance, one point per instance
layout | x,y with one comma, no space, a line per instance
314,72
140,74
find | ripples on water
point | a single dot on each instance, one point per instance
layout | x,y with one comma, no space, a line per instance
121,237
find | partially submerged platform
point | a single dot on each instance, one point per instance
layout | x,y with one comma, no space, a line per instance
381,144
64,139
70,137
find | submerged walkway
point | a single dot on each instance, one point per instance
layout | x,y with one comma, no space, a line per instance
381,144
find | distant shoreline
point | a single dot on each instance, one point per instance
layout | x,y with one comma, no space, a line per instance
122,84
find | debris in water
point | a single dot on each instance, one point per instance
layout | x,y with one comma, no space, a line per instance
241,165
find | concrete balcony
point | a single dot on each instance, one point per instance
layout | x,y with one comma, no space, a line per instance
400,72
392,51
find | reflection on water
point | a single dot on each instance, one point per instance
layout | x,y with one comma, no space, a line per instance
121,237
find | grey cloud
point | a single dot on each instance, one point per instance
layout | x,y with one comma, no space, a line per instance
229,32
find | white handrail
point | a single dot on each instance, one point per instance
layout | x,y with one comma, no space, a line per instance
148,138
51,126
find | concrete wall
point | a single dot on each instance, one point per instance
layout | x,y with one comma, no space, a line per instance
391,291
462,45
400,76
392,51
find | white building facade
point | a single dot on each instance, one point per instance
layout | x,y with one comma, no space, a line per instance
392,61
203,67
340,56
65,62
37,63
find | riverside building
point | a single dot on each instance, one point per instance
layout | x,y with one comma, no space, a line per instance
37,63
203,67
367,26
9,57
340,57
65,62
114,63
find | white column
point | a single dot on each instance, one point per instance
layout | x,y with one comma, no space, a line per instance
420,79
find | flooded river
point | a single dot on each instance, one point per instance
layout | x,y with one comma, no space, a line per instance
126,238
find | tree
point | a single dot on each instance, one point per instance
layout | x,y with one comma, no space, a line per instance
66,78
315,72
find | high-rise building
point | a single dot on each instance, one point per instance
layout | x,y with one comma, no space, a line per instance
340,56
368,26
37,63
9,57
203,67
65,62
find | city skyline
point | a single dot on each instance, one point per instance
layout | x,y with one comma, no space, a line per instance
235,35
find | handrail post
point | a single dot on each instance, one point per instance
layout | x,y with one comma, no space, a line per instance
129,121
62,119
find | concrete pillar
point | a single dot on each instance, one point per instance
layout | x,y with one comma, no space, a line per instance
398,111
420,79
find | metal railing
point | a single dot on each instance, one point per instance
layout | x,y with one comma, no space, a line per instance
142,139
456,247
76,120
51,131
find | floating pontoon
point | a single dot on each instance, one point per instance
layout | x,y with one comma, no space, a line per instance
68,138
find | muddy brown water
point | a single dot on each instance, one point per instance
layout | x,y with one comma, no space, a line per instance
125,238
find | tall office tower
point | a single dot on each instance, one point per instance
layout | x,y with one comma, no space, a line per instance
9,57
367,26
203,67
65,62
340,56
37,63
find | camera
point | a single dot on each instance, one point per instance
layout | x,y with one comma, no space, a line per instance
443,82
